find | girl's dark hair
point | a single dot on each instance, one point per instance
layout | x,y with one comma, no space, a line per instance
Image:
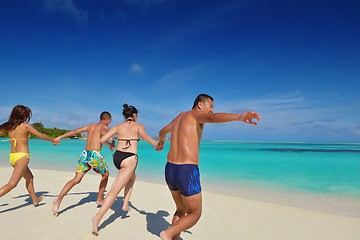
19,114
129,111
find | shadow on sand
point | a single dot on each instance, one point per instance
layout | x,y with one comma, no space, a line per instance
155,222
27,202
91,197
118,212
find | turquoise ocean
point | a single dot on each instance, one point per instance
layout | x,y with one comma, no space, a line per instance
234,168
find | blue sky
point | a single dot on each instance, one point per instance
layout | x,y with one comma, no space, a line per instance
297,63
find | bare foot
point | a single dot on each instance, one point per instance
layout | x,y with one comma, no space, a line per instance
163,236
55,207
100,203
38,200
95,222
126,208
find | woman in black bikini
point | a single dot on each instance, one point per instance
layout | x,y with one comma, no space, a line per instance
125,159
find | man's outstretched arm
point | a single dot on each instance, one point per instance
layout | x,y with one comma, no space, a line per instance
246,117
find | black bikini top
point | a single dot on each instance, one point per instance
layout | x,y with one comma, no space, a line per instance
128,141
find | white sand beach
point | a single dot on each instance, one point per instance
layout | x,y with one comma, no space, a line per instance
224,217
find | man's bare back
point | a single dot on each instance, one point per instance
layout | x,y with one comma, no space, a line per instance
185,138
95,131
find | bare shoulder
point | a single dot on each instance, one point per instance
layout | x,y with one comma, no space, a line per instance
25,126
138,127
87,127
182,115
100,125
116,127
192,115
201,116
90,128
119,125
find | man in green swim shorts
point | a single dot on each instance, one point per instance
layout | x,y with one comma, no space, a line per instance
90,158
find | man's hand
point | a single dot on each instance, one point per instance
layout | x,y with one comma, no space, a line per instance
248,117
112,142
160,146
55,141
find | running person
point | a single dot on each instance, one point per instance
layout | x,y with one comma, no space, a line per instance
19,132
181,171
91,158
125,160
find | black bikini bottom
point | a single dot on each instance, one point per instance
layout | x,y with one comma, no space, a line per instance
120,156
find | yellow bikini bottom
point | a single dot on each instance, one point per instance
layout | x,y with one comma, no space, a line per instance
14,157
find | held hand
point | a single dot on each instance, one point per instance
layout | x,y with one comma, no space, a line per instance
55,141
112,142
159,146
248,117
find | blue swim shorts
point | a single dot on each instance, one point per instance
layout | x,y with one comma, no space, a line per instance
183,177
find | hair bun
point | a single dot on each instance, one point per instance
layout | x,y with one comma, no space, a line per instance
125,106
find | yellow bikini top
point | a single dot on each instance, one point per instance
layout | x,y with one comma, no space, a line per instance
14,139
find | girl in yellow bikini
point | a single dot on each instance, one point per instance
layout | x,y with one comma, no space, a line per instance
19,131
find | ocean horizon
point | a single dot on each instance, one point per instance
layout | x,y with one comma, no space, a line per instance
255,170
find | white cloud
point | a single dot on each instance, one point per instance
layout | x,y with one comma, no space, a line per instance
136,68
357,131
180,75
67,7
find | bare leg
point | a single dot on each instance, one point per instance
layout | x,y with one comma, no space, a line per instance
29,178
102,186
123,177
192,206
68,186
180,212
127,193
18,172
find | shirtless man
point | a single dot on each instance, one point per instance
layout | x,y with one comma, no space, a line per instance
90,158
181,171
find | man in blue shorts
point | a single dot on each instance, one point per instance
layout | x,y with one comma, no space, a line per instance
90,158
181,171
